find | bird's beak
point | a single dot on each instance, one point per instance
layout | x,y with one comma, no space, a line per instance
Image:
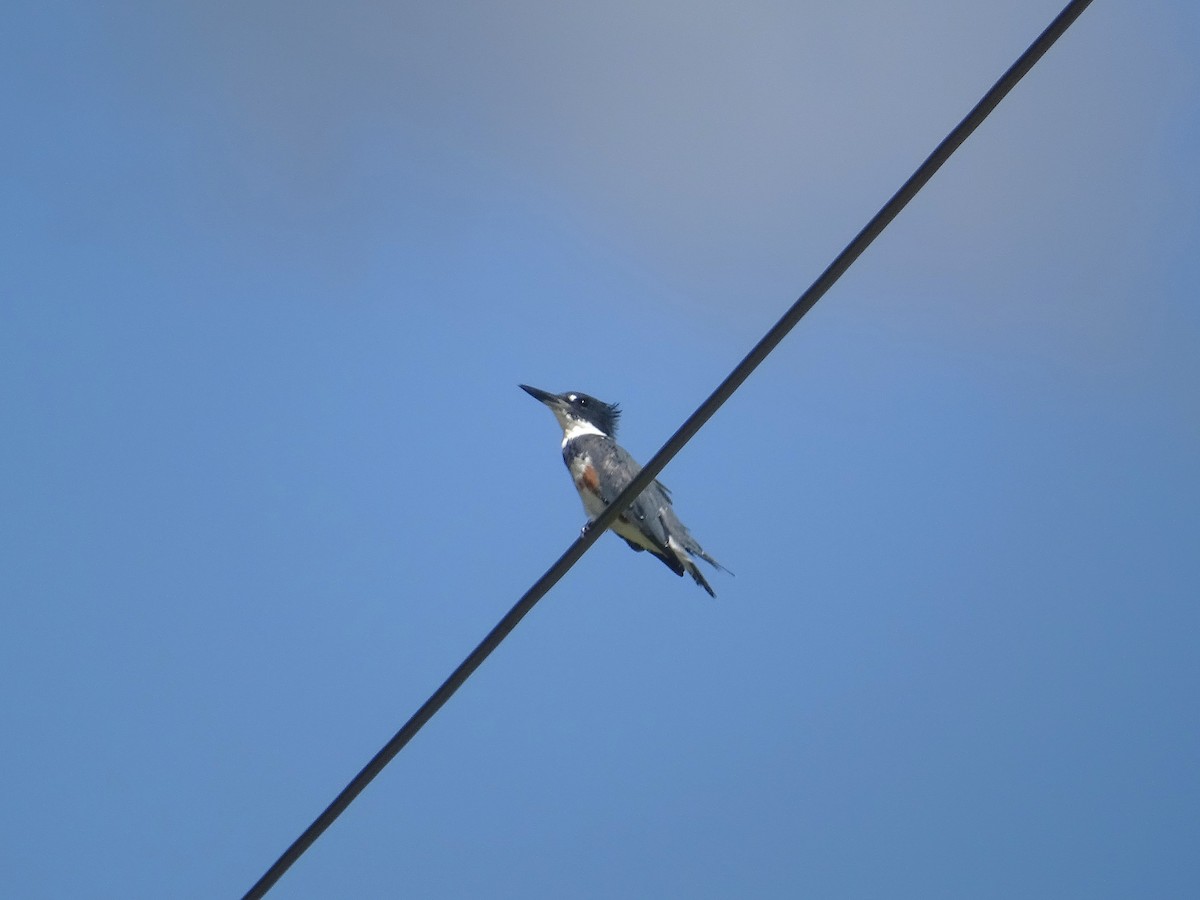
543,396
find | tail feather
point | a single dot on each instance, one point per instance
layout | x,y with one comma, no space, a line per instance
696,551
680,551
676,559
694,571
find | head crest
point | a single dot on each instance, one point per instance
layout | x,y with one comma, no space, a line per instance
604,416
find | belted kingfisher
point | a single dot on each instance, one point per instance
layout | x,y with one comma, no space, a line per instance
601,469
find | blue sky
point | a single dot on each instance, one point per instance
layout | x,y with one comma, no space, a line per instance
272,274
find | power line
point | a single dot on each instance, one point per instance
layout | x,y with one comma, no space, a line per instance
675,443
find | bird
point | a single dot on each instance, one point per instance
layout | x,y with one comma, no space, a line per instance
601,469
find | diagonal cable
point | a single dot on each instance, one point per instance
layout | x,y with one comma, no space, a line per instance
675,443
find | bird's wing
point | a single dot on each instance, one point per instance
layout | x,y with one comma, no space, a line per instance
616,470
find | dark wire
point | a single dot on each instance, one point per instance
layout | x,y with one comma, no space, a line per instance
676,442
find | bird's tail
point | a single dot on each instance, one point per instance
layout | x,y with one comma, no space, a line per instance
696,550
684,551
697,577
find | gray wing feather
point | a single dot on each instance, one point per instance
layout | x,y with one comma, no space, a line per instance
615,469
651,509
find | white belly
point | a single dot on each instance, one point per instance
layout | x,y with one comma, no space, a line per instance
592,504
